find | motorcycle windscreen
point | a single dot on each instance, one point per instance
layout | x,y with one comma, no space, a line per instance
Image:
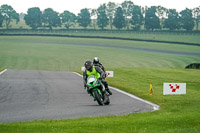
91,79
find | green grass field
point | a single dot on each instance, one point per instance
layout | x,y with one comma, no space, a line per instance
54,53
134,71
145,35
156,36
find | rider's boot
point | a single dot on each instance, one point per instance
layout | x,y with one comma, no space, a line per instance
108,90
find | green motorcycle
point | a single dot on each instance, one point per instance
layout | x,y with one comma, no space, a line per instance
97,90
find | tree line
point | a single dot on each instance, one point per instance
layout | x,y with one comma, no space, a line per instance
125,15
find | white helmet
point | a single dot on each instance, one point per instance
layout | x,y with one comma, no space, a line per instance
96,60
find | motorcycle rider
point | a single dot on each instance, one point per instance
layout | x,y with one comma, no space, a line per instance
97,63
90,69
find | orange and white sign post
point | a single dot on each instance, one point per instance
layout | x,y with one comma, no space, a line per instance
150,90
109,74
174,88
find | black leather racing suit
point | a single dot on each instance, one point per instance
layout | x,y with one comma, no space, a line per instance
100,66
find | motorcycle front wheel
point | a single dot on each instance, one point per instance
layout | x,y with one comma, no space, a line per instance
98,97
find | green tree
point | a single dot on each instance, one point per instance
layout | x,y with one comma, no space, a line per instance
94,17
51,18
1,20
162,14
127,7
196,15
172,22
137,17
187,20
111,7
9,14
84,19
33,18
151,20
119,19
68,19
102,19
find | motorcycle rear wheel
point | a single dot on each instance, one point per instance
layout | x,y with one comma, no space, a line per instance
107,102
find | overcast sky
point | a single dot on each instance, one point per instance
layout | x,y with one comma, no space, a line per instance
76,5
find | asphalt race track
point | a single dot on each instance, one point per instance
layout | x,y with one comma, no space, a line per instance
27,95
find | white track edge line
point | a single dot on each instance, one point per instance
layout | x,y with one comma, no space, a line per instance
155,106
3,71
78,74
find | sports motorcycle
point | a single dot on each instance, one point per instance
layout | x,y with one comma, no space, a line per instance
97,90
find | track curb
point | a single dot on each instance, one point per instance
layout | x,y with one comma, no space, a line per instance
3,71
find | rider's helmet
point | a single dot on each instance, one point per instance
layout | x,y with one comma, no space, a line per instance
88,65
96,60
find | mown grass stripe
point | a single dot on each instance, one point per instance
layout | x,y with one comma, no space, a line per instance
104,37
